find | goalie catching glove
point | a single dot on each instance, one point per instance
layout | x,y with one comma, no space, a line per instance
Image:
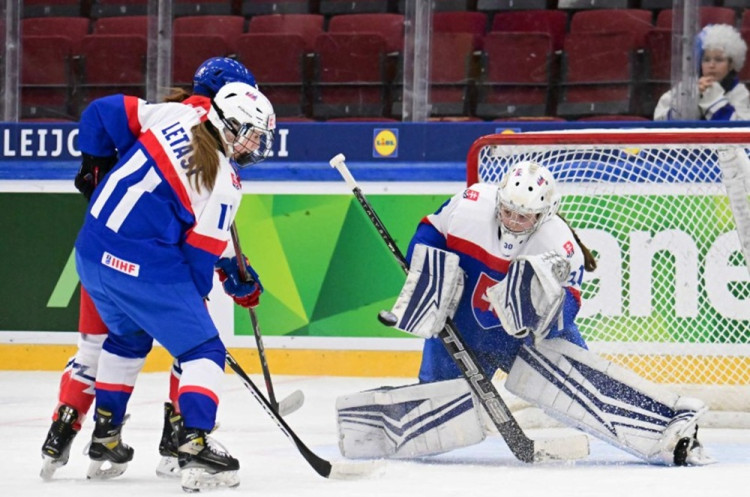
530,297
430,294
245,293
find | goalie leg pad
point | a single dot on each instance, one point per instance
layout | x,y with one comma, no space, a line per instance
410,421
430,294
586,391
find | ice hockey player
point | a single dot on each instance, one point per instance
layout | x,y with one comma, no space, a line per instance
110,126
508,268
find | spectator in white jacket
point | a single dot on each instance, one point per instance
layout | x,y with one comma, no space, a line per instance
721,96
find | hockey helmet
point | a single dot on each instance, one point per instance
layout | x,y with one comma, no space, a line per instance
246,122
527,197
218,71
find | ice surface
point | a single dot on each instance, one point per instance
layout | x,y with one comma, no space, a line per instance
271,465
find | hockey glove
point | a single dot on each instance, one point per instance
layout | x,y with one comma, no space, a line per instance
245,293
93,169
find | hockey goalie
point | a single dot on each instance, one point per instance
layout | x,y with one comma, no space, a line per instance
507,268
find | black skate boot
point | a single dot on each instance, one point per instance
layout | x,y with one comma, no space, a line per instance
56,448
168,466
204,463
107,446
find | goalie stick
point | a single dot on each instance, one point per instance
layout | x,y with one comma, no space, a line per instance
523,448
294,400
326,469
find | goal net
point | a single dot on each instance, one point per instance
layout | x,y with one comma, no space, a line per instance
667,216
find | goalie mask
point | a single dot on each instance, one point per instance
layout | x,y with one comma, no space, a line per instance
246,122
527,197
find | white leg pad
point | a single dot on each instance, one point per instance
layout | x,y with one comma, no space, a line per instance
410,421
612,403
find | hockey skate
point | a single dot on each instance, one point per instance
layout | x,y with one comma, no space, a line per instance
107,447
679,445
204,464
56,448
168,465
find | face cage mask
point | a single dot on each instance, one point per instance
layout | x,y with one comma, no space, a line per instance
523,212
263,138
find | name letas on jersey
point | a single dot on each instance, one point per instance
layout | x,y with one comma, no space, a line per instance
468,223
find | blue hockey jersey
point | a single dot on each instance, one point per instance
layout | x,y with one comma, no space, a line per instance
147,219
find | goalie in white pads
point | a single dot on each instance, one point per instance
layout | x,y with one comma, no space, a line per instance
508,269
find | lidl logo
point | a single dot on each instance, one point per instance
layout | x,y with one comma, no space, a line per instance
385,143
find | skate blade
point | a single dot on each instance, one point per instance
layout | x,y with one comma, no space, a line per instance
49,466
98,471
197,479
168,468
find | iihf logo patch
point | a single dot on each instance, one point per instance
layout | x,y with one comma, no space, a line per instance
470,194
540,181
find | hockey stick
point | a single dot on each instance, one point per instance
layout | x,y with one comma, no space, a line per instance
326,469
294,400
523,447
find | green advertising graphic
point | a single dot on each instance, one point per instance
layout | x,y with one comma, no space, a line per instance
325,269
670,269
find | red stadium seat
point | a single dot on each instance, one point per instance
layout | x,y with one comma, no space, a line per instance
635,21
228,27
552,22
125,25
73,28
597,75
707,15
46,77
309,26
112,64
350,77
389,26
190,50
658,67
281,77
461,22
520,89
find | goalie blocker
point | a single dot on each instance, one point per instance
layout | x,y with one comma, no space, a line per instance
569,383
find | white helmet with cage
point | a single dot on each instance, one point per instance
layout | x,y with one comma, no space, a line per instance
245,120
527,197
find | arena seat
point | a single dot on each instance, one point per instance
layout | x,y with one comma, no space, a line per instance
553,22
635,21
520,89
281,78
73,28
225,26
350,75
46,77
308,26
597,75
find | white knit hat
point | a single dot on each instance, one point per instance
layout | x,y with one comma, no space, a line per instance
725,38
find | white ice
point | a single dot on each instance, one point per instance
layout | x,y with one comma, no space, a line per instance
271,465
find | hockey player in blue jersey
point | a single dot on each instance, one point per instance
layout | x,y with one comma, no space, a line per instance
508,269
156,228
108,128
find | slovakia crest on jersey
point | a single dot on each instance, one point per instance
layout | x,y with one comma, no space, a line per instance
470,194
480,304
569,249
236,183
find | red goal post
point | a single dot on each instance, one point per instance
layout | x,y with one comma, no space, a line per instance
667,215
